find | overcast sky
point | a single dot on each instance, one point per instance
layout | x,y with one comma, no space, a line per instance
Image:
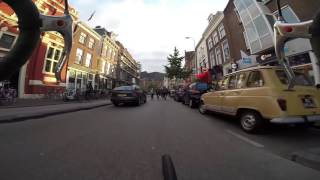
150,29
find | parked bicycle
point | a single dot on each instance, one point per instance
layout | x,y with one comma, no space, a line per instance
7,95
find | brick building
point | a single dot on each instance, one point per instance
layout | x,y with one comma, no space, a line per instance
189,58
83,59
36,77
245,29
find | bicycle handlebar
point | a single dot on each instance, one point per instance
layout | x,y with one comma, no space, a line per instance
29,24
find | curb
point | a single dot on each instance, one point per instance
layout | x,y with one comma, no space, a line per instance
19,118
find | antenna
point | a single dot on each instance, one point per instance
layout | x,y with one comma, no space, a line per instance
66,9
280,16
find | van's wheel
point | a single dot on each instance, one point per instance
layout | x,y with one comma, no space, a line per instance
202,109
251,121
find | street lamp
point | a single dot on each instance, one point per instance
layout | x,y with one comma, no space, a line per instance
195,52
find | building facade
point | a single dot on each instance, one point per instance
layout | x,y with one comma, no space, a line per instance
83,60
107,63
36,77
127,67
190,65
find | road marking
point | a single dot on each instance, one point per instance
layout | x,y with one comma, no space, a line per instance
245,139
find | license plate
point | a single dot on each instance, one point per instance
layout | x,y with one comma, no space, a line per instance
308,103
122,95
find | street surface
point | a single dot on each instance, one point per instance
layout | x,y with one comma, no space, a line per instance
128,142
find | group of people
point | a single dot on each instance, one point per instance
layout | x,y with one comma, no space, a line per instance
162,92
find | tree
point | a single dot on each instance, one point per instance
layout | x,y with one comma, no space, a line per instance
174,69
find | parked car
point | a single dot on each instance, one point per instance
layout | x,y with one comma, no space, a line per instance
179,93
128,94
260,95
193,94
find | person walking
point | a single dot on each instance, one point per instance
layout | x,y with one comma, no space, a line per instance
158,93
152,93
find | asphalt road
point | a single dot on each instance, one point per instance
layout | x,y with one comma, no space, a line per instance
128,142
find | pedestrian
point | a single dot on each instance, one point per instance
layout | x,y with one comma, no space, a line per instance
152,93
158,93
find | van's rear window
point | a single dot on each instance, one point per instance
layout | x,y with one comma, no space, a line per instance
300,80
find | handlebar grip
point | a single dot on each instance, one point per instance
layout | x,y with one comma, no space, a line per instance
29,27
315,31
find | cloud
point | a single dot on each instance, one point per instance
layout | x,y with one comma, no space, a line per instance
147,27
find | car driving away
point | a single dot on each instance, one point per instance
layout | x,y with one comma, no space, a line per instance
128,95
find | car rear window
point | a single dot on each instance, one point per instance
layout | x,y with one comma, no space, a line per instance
300,80
123,88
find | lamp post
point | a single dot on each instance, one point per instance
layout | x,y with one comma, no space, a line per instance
195,54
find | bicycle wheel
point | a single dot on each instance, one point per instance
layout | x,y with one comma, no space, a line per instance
29,35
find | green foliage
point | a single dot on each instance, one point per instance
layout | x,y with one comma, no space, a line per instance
174,68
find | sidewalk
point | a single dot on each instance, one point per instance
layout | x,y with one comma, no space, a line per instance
34,110
32,102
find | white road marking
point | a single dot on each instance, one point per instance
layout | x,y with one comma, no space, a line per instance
245,139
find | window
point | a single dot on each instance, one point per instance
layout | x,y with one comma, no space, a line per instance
256,23
91,43
255,79
109,53
103,67
215,37
226,50
88,60
218,56
212,59
222,32
300,78
52,58
90,80
241,80
79,56
210,44
7,41
232,82
82,38
288,14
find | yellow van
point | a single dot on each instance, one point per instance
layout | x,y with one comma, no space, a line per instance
260,95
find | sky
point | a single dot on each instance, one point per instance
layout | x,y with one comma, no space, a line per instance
150,29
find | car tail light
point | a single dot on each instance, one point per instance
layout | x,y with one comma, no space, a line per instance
283,104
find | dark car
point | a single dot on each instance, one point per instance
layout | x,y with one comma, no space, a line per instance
128,94
193,93
179,93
